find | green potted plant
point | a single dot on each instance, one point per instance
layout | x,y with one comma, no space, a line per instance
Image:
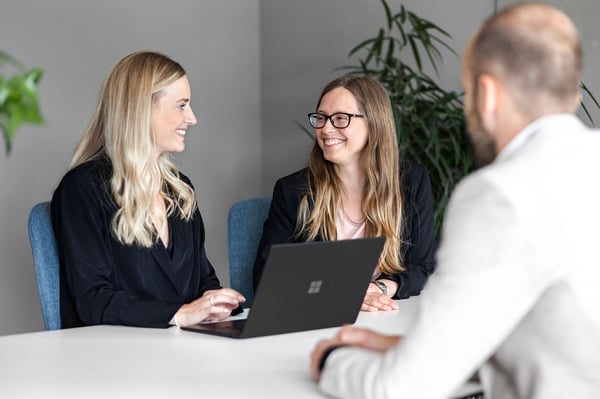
430,123
19,102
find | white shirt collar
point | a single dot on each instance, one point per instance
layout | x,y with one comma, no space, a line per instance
525,134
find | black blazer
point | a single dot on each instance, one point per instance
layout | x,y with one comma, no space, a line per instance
105,282
418,225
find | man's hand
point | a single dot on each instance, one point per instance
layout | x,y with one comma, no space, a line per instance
350,336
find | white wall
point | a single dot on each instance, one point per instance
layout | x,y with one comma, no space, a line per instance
76,42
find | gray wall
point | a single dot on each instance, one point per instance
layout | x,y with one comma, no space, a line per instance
303,42
256,68
76,42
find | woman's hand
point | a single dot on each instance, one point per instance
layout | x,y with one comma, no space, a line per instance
375,300
213,305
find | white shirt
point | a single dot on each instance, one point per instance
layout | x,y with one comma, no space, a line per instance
517,286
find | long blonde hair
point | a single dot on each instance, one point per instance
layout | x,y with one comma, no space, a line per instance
382,199
120,129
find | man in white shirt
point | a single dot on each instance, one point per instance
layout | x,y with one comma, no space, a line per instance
516,293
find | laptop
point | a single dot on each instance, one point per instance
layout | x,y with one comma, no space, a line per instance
305,286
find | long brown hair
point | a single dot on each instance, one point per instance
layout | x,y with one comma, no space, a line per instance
382,199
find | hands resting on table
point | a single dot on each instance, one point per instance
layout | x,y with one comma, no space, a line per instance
350,336
376,300
216,305
213,305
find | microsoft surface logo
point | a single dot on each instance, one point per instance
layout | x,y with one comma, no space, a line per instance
315,287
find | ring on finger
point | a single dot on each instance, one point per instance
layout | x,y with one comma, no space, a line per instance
211,300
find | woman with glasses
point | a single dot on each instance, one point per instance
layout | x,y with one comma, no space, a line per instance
356,186
129,232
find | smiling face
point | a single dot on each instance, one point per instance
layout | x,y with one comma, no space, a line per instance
171,116
341,146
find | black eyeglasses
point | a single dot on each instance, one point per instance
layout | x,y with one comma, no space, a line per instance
339,120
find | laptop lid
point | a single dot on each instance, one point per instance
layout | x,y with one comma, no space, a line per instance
306,286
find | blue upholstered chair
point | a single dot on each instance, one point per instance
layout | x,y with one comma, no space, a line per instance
45,258
244,230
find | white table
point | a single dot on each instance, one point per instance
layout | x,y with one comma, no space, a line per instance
114,361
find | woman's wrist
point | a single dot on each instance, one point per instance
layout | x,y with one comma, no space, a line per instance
178,318
391,286
381,286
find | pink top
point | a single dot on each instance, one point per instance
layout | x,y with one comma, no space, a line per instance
348,229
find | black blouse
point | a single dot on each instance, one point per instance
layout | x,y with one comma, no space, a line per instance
418,251
105,282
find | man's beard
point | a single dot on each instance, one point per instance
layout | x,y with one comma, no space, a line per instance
484,146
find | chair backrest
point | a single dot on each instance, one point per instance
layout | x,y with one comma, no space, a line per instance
45,258
244,230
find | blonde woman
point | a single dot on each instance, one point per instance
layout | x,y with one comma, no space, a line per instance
356,186
128,229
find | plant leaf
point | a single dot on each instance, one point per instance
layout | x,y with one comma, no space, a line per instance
388,14
584,107
19,102
415,52
306,130
9,59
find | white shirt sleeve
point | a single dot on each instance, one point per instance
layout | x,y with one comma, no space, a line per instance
483,286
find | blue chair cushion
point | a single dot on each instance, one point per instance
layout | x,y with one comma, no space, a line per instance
45,258
244,227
